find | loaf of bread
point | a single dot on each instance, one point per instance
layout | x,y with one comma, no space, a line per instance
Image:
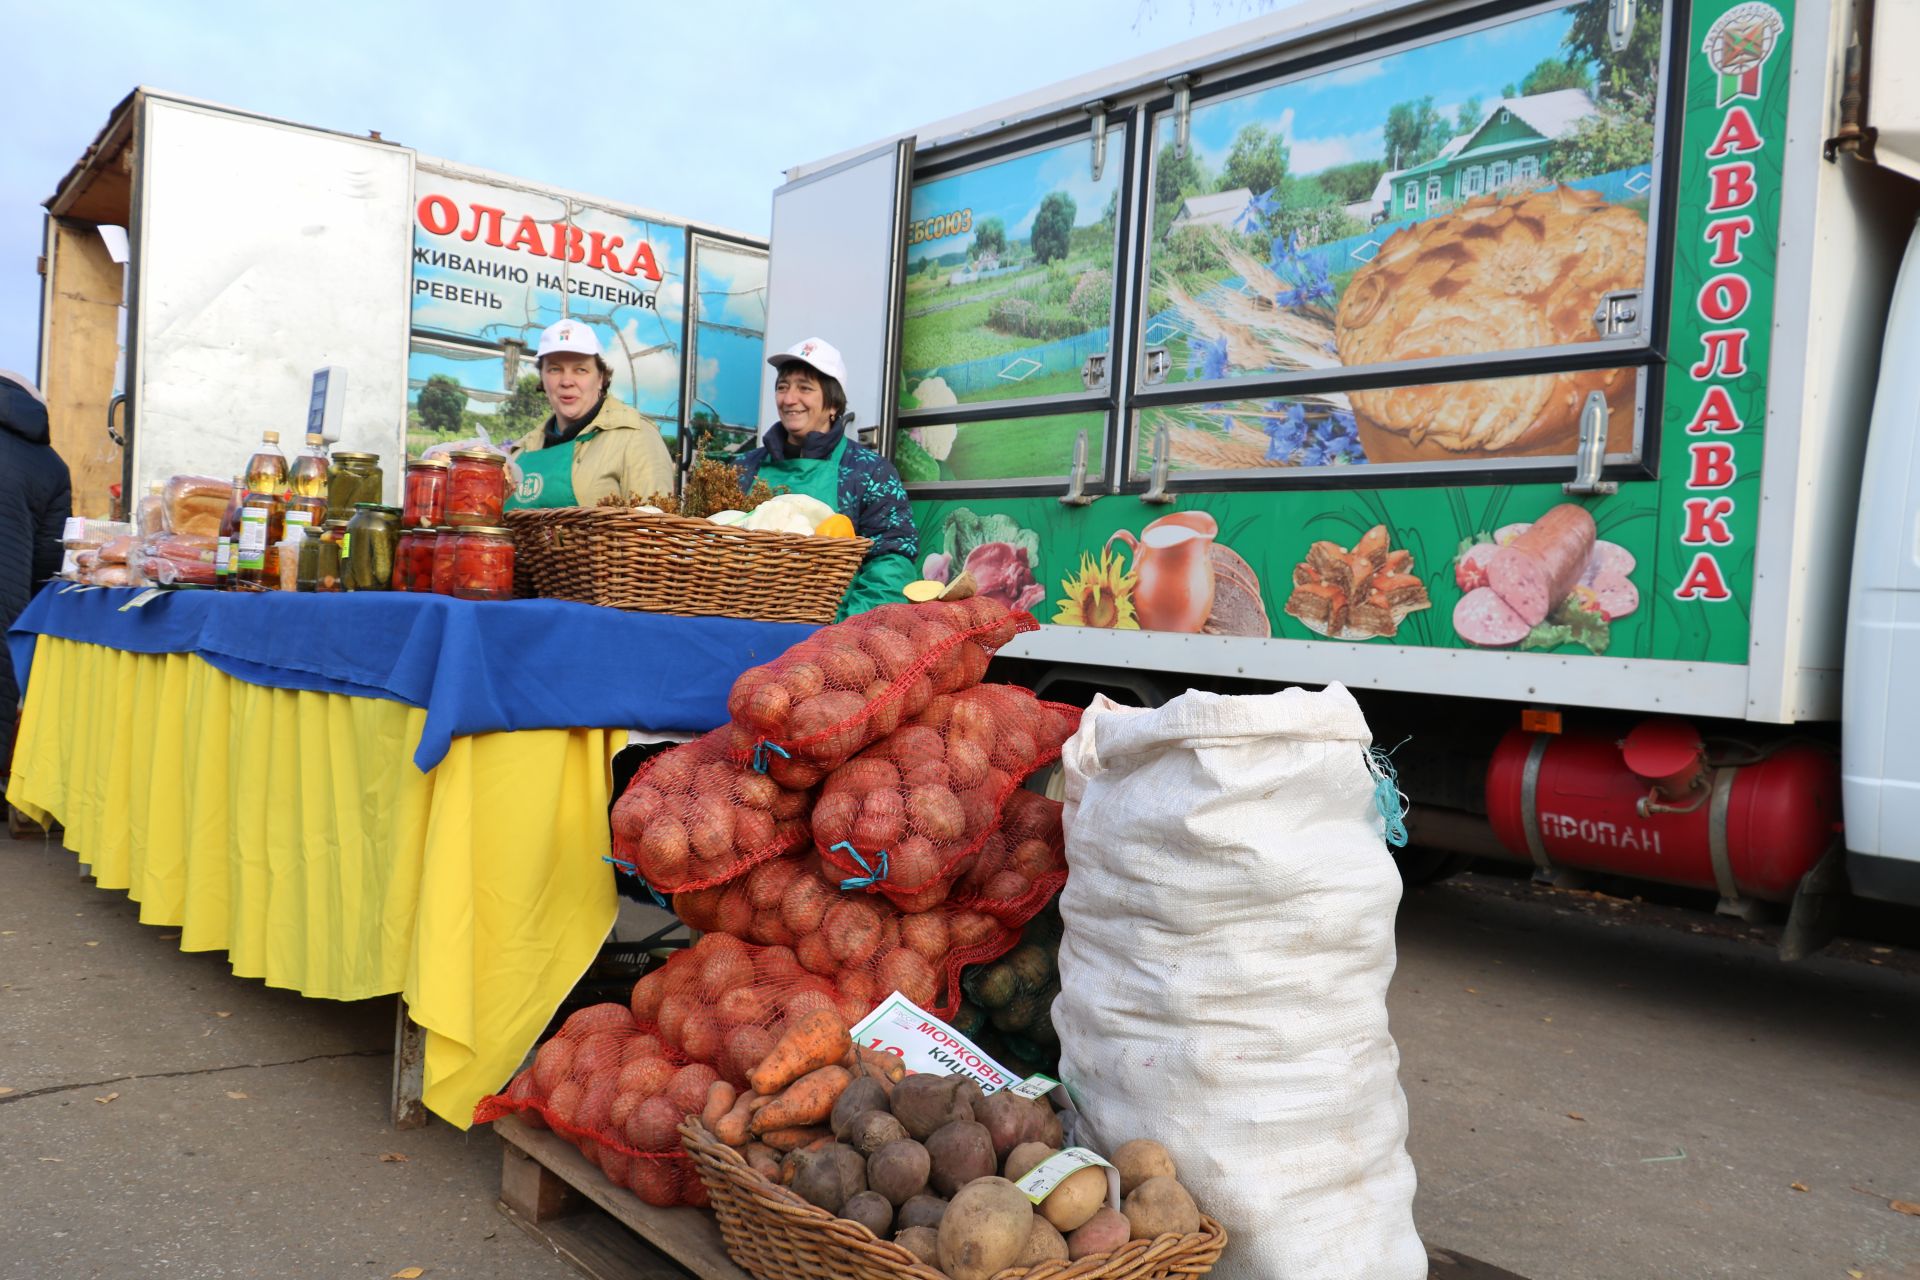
195,504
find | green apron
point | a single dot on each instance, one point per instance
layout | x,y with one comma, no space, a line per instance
546,476
880,578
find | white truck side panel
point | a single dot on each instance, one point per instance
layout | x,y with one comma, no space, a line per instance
266,251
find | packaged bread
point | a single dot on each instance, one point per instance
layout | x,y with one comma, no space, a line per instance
195,504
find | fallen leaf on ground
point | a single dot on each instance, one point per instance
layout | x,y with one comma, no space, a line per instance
223,1013
1907,1207
1856,1273
392,1157
1799,1186
235,1094
51,1160
6,933
409,1273
5,1089
1473,991
93,944
1575,1115
109,1098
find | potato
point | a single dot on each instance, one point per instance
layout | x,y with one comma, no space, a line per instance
1069,1205
924,1103
873,1130
1104,1232
763,1160
1044,1244
1140,1160
871,1210
858,1098
1027,1157
922,1242
1158,1206
1051,1131
898,1170
922,1210
962,1151
985,1229
1011,1120
829,1177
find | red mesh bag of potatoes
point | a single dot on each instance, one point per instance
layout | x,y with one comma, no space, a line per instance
1019,866
845,686
862,944
901,817
697,816
619,1094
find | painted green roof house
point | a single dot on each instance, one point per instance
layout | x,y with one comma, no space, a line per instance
1507,149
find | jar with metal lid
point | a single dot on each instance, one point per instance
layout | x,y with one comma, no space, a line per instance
413,569
320,558
369,547
443,549
476,487
425,500
483,563
354,479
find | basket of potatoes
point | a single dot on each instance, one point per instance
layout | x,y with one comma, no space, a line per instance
911,1177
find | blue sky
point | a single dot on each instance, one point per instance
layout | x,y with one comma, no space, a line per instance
692,110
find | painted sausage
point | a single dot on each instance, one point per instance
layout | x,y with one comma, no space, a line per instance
1483,618
1617,595
1535,571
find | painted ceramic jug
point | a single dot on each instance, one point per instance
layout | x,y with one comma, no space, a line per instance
1173,563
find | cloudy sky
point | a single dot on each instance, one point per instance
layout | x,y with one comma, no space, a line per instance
689,109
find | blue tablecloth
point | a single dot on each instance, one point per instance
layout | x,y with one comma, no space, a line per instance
476,666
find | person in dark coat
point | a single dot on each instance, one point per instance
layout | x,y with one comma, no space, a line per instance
36,497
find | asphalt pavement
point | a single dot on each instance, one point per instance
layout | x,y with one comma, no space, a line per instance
1597,1092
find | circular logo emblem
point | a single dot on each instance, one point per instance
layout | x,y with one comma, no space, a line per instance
531,483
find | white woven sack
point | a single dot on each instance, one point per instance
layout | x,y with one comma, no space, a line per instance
1229,940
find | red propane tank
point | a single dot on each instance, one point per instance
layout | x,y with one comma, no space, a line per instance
1775,817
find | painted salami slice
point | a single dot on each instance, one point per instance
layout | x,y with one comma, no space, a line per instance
1483,618
1470,570
1617,595
1608,557
1535,571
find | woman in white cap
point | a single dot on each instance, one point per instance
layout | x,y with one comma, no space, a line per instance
808,452
595,445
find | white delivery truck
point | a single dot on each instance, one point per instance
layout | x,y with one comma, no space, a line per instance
203,264
1514,363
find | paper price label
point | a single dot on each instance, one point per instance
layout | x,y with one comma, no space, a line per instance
151,593
928,1045
1040,1181
1034,1086
74,529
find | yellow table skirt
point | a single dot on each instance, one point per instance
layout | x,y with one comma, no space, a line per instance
292,830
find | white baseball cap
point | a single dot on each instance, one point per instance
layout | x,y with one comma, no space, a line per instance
569,337
817,353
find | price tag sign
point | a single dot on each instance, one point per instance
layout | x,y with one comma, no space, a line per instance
1040,1181
1034,1086
74,529
151,593
928,1045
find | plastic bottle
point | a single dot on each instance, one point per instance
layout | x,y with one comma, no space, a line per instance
224,558
308,477
267,469
250,550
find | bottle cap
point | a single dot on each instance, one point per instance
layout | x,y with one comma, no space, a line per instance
270,437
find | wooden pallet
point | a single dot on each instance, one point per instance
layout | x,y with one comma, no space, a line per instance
549,1190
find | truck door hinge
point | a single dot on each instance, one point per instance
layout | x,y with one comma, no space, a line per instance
1093,374
1182,87
1098,110
1620,18
1618,313
1076,494
1162,463
1592,455
1159,364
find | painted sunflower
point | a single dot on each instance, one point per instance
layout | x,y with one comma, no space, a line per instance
1100,595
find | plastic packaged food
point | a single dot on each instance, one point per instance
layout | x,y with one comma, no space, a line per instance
308,476
166,572
354,479
443,549
151,515
117,550
425,500
267,468
369,546
477,487
176,559
195,504
483,563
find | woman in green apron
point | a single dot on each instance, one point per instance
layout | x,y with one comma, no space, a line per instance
808,452
595,445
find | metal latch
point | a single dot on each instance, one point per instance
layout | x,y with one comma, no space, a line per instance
1182,87
119,401
1159,365
1098,110
1618,313
1076,494
1593,449
1093,374
1157,481
1620,16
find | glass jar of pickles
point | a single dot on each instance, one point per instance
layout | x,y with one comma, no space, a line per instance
369,547
354,479
483,563
476,487
320,558
425,501
413,569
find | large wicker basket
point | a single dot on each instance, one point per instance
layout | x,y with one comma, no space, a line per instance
669,564
775,1235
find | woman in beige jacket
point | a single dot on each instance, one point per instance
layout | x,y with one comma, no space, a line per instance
594,445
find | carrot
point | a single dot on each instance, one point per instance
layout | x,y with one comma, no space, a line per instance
795,1138
808,1100
720,1100
815,1040
888,1069
763,1160
733,1126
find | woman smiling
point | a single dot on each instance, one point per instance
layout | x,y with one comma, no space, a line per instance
594,445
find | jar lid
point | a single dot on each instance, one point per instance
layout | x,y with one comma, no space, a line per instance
479,455
375,506
342,455
427,462
420,531
336,523
485,530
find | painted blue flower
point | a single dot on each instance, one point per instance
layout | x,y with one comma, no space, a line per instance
1259,208
1286,428
1207,358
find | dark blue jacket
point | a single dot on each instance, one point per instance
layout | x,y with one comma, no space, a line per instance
35,501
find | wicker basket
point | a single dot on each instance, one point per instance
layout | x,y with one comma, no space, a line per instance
669,564
775,1235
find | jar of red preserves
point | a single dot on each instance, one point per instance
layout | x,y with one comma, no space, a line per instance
413,565
483,563
426,493
443,549
476,487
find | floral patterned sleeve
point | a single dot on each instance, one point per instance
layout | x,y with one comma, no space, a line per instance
872,495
